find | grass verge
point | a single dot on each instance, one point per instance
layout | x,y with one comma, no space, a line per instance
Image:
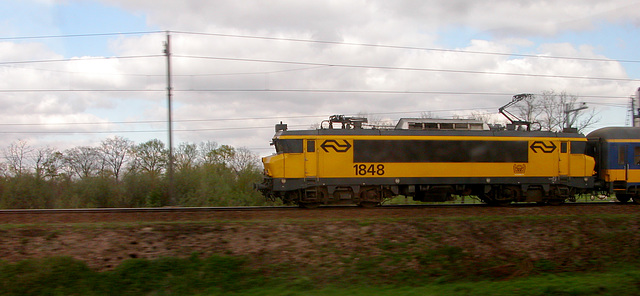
226,275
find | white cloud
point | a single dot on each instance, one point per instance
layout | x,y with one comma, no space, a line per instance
405,23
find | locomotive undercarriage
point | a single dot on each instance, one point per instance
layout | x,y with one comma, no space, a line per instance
373,195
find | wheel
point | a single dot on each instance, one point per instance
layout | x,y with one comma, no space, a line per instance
309,205
498,203
370,198
368,204
500,196
624,198
555,202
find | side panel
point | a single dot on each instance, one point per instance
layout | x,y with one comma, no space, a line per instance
623,162
633,173
563,159
617,162
294,165
310,158
361,157
348,160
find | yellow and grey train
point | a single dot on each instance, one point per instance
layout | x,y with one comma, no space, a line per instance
435,161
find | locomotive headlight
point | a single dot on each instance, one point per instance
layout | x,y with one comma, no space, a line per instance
283,181
397,181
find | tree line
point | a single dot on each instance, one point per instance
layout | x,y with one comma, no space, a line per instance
121,173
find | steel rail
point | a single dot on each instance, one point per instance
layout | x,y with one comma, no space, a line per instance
279,208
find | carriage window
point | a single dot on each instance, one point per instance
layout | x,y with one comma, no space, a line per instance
636,155
622,155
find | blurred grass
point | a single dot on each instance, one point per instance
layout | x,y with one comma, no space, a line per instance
225,275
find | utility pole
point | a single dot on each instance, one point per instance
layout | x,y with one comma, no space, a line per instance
635,113
167,52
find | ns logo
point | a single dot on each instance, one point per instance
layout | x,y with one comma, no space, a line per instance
339,146
519,169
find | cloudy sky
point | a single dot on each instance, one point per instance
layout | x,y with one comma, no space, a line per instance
67,79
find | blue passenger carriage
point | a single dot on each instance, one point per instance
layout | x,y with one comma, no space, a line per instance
617,151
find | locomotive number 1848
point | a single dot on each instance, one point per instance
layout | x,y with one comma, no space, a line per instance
373,169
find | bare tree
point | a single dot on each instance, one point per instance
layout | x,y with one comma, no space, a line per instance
243,159
116,152
529,108
83,161
186,155
4,170
427,114
550,110
375,120
485,117
48,162
16,155
206,149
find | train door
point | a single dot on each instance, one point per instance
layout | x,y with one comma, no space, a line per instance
623,161
563,160
633,173
310,159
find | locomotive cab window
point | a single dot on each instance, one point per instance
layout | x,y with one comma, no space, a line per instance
288,146
578,147
636,155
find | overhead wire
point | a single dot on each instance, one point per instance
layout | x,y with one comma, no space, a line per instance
400,68
391,46
79,35
319,64
201,120
404,47
308,65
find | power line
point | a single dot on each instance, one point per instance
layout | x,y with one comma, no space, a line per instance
79,35
378,92
85,73
142,131
401,68
77,90
224,119
315,41
311,64
405,47
78,59
314,64
406,92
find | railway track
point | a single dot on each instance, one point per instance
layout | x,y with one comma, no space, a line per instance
177,214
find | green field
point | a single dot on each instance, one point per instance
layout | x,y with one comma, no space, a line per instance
230,276
480,255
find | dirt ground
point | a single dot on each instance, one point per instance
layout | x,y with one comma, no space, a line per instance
327,237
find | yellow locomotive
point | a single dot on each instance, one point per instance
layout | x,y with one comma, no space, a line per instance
342,162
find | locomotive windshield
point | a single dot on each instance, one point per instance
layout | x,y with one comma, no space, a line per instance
578,147
288,145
